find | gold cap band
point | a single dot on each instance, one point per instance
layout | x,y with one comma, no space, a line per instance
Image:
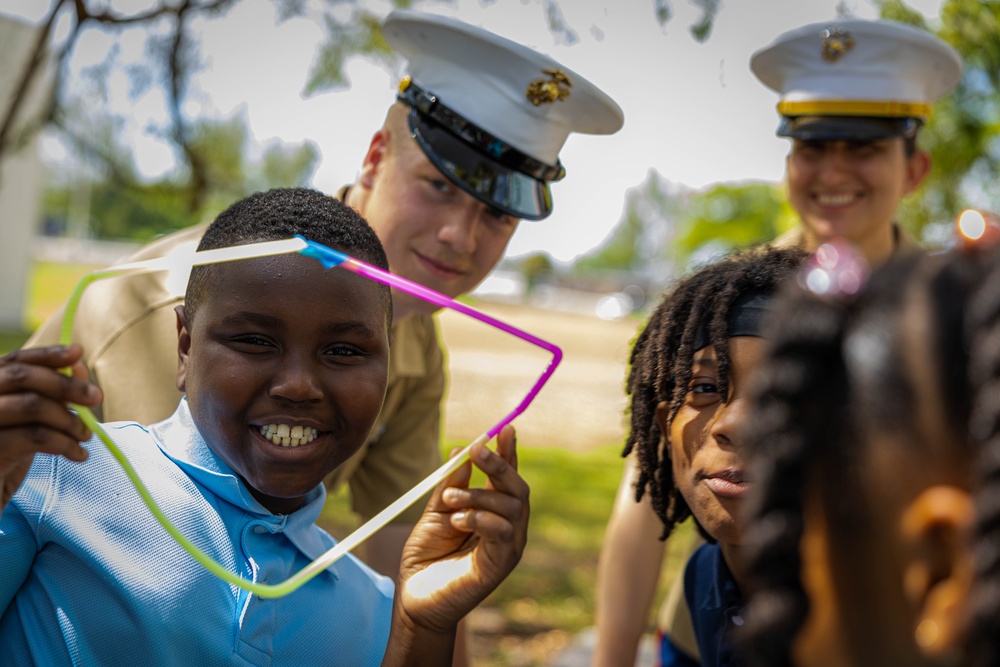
889,109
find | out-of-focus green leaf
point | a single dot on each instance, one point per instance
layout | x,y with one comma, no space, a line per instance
963,134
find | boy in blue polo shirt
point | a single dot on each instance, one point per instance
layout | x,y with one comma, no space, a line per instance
283,365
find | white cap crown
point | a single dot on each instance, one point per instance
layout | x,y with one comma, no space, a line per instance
491,114
857,67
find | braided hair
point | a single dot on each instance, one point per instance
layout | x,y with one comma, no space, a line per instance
984,320
839,377
660,364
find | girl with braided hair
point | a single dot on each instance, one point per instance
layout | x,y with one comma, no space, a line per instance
875,451
687,381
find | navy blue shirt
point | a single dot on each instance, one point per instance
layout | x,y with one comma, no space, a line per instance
672,656
715,603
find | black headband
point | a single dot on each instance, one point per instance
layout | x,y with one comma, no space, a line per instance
745,318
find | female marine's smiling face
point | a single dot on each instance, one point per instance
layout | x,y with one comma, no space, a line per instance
285,368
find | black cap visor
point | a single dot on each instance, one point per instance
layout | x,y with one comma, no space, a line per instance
846,128
490,182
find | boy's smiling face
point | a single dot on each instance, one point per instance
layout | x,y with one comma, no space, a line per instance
283,342
706,439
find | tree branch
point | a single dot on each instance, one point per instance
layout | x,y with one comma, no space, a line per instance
20,94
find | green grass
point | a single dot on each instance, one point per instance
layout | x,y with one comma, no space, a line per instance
11,340
49,284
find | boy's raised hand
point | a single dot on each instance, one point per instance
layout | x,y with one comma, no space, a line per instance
466,542
33,414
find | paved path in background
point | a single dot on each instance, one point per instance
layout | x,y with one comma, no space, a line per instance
580,408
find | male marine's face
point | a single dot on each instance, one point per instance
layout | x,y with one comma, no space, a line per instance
285,368
433,232
850,189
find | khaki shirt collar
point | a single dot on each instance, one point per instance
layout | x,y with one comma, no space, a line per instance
902,244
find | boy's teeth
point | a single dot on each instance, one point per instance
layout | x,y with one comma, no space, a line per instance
289,436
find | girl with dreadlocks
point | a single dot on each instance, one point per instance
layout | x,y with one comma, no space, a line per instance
687,382
875,443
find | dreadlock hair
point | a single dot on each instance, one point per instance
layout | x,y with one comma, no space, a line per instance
279,214
839,376
662,357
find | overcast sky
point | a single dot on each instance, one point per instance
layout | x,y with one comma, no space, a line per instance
693,111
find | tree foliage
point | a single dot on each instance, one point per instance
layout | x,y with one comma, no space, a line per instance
211,155
352,28
643,238
963,135
729,216
666,228
172,58
535,268
123,206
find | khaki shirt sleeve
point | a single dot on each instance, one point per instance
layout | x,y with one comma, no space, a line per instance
128,330
405,443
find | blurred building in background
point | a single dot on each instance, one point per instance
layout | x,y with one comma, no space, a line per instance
21,174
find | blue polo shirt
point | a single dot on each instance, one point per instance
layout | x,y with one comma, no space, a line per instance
89,577
715,603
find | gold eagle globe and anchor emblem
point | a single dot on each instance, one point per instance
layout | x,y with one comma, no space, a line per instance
836,43
546,91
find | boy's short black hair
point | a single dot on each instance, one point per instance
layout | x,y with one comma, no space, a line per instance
279,214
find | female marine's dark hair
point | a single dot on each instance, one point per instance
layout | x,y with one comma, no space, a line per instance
663,353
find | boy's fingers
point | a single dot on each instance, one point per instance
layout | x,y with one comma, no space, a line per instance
81,372
507,445
18,377
488,526
500,504
460,478
54,356
23,442
35,411
502,474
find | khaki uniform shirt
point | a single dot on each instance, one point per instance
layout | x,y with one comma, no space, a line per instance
128,330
